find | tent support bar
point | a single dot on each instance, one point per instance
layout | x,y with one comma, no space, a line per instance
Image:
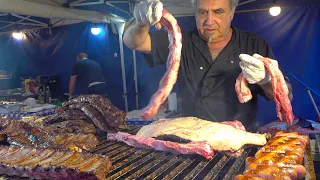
27,8
120,27
29,19
136,78
13,23
87,3
77,2
109,3
22,23
246,2
118,2
26,30
116,7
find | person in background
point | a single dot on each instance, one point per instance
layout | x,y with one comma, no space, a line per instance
212,57
88,74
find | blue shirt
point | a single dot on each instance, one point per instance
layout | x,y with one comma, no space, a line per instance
88,71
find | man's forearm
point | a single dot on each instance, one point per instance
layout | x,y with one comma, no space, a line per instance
71,90
267,88
135,35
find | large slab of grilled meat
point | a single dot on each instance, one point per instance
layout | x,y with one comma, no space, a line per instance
190,135
221,137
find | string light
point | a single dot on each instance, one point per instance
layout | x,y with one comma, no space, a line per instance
18,35
95,30
275,10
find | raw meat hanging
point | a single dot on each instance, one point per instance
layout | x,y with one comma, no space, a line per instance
173,63
280,91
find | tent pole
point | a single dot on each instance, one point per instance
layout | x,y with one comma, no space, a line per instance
136,78
120,27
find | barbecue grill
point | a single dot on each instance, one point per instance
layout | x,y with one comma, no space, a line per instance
133,163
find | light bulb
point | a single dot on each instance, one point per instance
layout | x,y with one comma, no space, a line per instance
95,30
275,10
18,35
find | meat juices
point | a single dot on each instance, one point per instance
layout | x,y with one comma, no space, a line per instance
173,63
280,91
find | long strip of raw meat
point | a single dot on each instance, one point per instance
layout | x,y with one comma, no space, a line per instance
280,91
242,89
201,148
173,63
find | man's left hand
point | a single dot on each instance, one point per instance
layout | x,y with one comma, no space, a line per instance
254,70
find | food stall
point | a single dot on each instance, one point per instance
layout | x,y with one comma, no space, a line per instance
92,133
89,137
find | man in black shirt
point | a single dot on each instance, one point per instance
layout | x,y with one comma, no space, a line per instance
212,58
89,75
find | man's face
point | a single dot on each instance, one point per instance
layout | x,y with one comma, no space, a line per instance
213,18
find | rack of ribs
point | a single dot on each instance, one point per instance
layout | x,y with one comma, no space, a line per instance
25,134
280,158
52,164
100,109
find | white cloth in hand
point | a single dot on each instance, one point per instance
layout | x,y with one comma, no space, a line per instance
148,12
254,70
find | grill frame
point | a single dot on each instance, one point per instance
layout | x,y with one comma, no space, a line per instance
318,141
134,163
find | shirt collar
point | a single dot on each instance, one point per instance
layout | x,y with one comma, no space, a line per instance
202,46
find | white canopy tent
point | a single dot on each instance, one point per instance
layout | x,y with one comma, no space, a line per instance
54,11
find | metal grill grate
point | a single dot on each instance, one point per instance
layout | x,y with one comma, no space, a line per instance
132,163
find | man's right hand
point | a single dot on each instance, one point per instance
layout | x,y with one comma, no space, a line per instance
148,12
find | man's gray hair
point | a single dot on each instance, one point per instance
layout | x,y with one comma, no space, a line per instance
233,3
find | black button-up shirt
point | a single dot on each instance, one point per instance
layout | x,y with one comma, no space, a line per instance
207,86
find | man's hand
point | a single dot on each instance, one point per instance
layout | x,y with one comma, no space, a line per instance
254,70
148,12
